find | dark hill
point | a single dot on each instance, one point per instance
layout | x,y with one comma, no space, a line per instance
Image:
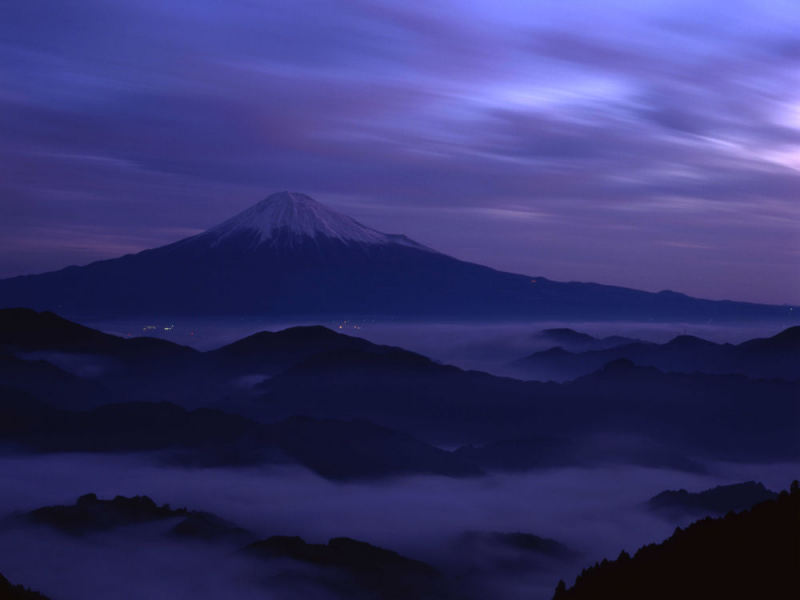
90,514
9,591
524,542
334,449
714,415
719,500
270,352
355,569
752,554
774,357
23,329
579,341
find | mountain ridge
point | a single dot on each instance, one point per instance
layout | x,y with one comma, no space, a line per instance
319,262
776,356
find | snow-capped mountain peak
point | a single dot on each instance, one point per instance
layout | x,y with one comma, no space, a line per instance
295,216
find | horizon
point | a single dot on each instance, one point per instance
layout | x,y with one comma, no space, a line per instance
652,147
326,206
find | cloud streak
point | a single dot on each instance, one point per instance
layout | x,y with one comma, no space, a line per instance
658,139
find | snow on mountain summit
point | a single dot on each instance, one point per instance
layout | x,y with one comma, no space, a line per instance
297,215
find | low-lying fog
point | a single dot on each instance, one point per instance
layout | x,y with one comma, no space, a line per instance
472,345
596,512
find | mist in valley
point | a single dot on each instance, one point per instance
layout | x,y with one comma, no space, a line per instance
480,345
594,512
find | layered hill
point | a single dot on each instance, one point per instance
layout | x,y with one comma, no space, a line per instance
348,408
777,356
718,501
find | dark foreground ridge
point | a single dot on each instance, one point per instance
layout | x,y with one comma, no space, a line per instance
752,554
9,591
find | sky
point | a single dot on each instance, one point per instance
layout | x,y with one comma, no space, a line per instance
650,144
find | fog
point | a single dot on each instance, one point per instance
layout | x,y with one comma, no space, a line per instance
471,345
597,512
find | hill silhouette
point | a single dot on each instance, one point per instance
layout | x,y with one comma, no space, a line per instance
358,569
91,514
719,500
195,406
9,591
334,449
751,554
773,357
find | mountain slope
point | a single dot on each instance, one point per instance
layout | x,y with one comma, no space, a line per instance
90,514
774,357
753,554
9,591
619,412
290,256
336,450
723,416
719,500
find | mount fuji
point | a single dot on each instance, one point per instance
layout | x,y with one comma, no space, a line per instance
289,255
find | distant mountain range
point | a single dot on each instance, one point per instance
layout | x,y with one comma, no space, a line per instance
291,256
347,408
774,357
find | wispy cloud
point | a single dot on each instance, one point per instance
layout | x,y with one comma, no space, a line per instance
122,113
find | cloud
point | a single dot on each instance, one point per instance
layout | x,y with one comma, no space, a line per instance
114,112
594,511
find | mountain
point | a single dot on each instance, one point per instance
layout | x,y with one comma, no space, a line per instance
360,397
579,341
752,554
338,552
725,416
72,366
524,542
270,352
336,450
342,568
348,568
523,454
773,357
25,330
289,255
90,514
719,500
50,383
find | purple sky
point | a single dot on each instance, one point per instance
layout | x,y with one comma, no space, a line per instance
651,144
